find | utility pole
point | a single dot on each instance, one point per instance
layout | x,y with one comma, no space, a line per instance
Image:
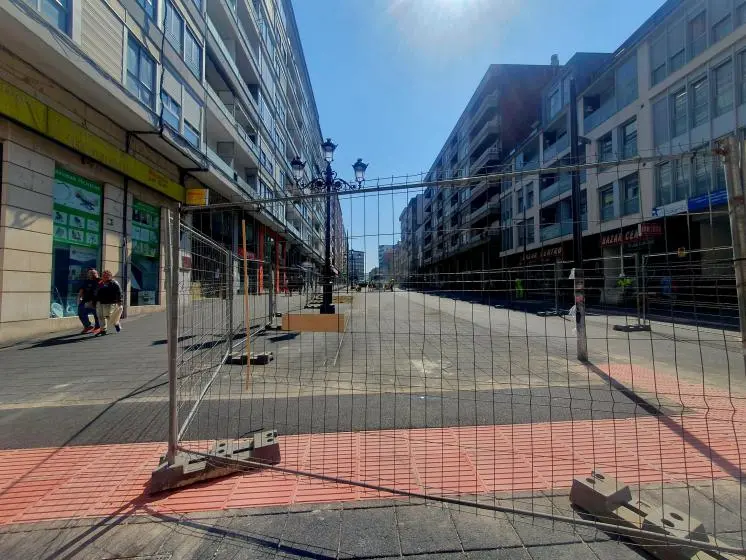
577,229
733,157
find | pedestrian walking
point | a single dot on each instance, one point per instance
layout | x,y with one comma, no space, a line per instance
87,302
109,302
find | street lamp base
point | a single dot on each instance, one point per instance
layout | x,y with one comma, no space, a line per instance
327,309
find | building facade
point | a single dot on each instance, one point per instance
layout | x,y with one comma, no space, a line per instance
356,266
110,110
676,87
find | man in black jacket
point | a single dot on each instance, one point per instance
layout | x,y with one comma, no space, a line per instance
109,302
87,302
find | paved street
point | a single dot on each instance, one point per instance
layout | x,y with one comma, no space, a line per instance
406,362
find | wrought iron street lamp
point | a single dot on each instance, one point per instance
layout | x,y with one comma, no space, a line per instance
328,184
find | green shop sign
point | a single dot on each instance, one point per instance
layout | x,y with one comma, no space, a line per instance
77,210
146,229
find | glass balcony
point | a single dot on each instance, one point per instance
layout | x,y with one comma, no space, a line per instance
600,115
550,152
553,231
560,186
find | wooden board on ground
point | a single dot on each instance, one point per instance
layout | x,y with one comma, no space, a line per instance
313,322
342,299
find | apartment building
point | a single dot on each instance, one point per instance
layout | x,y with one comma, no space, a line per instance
499,115
356,266
677,85
111,110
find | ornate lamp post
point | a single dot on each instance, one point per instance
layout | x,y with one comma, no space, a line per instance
328,184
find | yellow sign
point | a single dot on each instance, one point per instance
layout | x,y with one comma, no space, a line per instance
682,252
197,197
22,107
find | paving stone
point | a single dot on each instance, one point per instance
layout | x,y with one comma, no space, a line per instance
369,532
618,550
575,551
517,553
481,530
315,532
424,529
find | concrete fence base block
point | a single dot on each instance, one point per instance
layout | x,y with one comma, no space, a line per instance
226,457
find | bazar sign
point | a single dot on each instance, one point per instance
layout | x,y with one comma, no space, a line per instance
548,253
635,235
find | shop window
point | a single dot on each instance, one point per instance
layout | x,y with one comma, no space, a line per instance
76,244
145,262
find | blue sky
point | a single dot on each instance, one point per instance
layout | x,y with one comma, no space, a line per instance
391,77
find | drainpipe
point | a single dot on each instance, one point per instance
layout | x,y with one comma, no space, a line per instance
125,243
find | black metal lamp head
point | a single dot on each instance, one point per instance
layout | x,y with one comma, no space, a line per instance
359,168
329,148
298,165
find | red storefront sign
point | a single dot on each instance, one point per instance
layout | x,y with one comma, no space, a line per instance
641,232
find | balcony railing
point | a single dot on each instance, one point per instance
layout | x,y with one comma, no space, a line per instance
560,186
553,231
559,146
529,165
600,115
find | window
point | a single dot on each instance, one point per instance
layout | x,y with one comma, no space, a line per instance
660,122
198,3
555,103
701,173
76,239
526,234
529,196
521,208
630,187
584,209
140,72
193,54
742,76
658,59
681,180
723,76
629,139
722,28
605,148
700,97
626,82
506,239
171,111
676,46
741,14
697,34
149,7
663,184
606,202
174,27
678,113
191,134
55,12
145,261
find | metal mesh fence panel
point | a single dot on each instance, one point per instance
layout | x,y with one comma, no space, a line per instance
451,373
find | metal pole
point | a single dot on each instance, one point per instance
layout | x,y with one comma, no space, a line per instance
577,230
557,272
737,215
637,284
644,288
229,299
172,304
326,306
246,310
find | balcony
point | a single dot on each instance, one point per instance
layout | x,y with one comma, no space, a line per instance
555,149
487,103
491,153
600,115
553,231
529,165
560,186
485,129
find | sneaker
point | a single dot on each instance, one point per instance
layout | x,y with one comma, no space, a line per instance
86,330
118,327
96,330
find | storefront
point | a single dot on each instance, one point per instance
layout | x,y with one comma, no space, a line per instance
145,263
76,245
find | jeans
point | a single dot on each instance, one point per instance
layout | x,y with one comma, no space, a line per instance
83,312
